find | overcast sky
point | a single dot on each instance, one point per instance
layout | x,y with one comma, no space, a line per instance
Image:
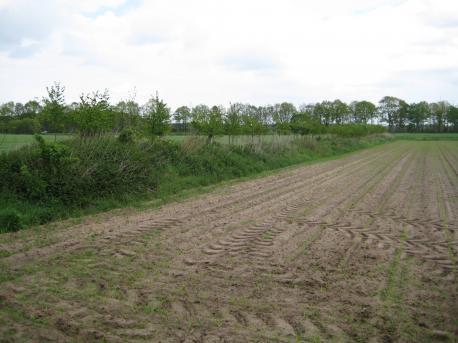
221,51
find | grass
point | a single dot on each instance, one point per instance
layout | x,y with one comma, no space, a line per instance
427,136
243,139
9,142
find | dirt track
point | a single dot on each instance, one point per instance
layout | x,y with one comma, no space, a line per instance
360,248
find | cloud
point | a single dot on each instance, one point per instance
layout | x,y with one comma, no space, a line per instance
95,9
251,62
22,21
24,50
260,51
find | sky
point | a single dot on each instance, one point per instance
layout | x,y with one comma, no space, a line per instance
222,51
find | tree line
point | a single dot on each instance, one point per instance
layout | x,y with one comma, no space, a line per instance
94,114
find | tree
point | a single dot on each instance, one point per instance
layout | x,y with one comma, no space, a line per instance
452,117
24,126
303,123
94,114
389,110
127,114
439,115
323,110
233,120
417,114
363,111
182,116
157,116
32,109
7,109
339,112
208,121
282,117
254,120
54,108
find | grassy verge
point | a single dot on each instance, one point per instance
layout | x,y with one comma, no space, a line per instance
47,181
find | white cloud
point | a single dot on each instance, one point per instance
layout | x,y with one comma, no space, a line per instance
221,51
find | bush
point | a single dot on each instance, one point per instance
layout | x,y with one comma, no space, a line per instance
127,136
10,220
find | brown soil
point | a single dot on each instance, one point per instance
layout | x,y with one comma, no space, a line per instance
363,248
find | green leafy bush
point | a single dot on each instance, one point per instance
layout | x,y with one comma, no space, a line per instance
127,136
10,220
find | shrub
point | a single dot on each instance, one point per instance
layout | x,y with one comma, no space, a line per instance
10,220
127,136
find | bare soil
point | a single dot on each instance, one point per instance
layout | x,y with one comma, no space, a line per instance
363,248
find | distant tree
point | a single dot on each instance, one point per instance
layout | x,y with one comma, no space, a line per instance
363,111
127,114
339,112
324,111
439,114
94,114
303,123
417,115
32,109
254,120
452,117
389,110
265,114
157,116
208,121
7,109
6,115
54,109
24,126
182,116
282,117
233,120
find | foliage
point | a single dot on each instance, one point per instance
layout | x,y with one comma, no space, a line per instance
23,126
233,120
282,117
54,109
127,136
157,116
94,114
127,114
208,121
363,111
10,220
182,116
304,124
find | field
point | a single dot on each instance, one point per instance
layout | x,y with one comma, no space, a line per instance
362,248
10,142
